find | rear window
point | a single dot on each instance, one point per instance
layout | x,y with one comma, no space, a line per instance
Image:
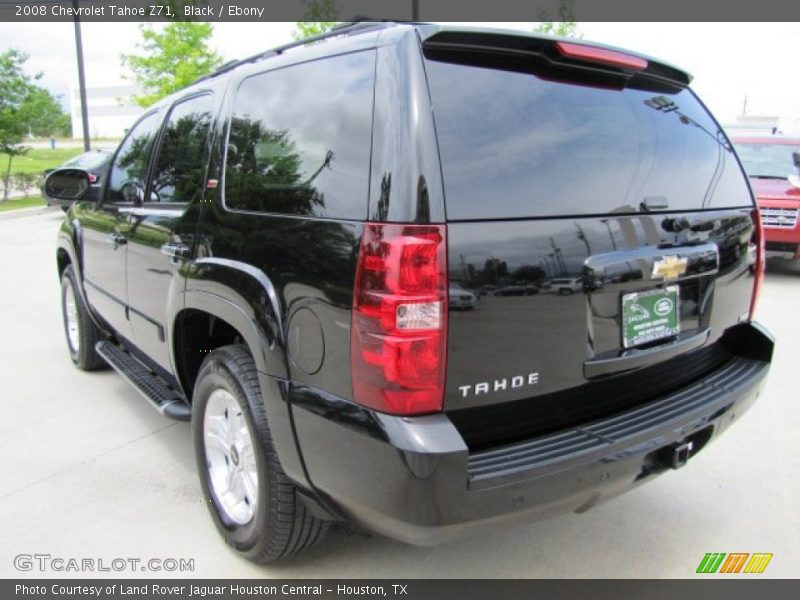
515,145
771,161
90,160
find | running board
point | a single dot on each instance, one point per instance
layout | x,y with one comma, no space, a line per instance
168,401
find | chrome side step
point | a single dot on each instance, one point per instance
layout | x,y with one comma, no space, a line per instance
166,400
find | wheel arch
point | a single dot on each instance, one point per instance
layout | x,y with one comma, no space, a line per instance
67,254
207,321
236,322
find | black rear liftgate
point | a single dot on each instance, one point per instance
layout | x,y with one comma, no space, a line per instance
599,213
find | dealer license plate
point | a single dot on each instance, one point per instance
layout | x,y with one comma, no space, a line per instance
650,316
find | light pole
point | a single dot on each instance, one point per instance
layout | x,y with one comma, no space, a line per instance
582,237
81,78
607,223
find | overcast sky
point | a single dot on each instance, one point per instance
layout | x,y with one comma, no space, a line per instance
728,60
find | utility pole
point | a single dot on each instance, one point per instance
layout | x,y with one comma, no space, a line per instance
415,10
81,78
582,237
562,267
607,223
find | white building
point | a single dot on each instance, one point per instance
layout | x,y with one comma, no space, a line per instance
764,125
112,110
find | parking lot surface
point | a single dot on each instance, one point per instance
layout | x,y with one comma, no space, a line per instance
90,470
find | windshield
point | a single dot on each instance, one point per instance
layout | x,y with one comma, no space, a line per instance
767,160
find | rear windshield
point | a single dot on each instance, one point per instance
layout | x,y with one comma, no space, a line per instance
90,160
769,161
515,145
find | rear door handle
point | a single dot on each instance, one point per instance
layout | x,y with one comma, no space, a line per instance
117,240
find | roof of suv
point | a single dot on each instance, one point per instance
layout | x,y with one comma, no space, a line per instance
515,41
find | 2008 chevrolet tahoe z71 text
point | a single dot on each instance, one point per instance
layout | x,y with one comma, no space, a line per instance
271,252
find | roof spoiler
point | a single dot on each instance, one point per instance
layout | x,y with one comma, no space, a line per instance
558,54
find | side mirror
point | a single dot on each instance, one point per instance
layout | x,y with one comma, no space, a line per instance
67,184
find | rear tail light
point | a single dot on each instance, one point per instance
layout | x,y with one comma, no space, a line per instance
601,56
399,334
759,263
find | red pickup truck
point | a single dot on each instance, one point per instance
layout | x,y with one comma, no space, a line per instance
772,165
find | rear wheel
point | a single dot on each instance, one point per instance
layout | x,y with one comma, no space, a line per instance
81,332
253,503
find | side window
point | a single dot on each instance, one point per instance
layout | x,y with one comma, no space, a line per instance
126,178
181,164
300,137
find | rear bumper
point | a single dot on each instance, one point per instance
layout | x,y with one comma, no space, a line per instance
413,479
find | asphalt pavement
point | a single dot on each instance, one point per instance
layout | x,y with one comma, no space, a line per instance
89,470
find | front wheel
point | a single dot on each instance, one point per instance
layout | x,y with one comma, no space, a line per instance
253,503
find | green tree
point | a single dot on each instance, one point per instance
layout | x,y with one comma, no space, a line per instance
318,19
11,152
26,182
171,59
42,113
25,108
15,86
565,26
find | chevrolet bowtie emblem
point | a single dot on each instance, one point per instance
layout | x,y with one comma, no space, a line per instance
669,267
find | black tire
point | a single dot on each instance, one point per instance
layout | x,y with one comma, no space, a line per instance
84,355
281,524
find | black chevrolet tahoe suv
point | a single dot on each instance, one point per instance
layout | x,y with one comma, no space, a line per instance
271,252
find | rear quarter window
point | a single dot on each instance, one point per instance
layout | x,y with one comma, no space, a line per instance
299,140
515,145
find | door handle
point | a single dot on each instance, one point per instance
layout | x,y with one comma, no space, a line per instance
117,240
176,252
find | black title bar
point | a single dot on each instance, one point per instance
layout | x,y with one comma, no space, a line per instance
399,10
392,589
